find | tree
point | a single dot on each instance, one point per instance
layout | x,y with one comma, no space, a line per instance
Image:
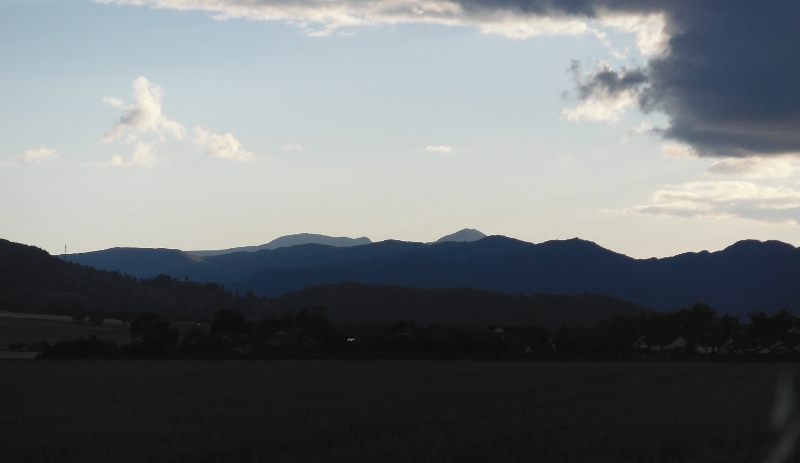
229,321
698,320
96,317
765,325
162,280
155,335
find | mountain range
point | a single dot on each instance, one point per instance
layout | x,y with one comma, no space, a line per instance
33,281
465,235
745,277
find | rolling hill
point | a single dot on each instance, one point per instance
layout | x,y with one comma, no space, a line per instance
745,277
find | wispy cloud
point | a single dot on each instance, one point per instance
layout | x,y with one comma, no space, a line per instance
757,167
142,157
645,128
115,161
39,155
321,18
723,200
679,151
145,124
292,147
438,149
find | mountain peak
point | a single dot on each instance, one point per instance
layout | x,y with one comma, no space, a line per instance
465,235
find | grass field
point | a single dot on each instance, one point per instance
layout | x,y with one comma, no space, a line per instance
30,331
385,411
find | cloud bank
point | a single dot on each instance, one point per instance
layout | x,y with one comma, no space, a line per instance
725,73
145,124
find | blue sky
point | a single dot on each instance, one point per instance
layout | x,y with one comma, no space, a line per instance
160,124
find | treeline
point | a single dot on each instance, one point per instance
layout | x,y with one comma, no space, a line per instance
695,330
122,297
305,333
687,333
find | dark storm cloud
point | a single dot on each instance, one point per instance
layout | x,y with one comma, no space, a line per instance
730,83
605,81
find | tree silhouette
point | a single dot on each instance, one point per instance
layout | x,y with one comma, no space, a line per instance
229,321
154,335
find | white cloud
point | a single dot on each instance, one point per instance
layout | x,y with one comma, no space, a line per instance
757,167
143,155
438,149
724,200
292,147
145,116
37,156
220,146
651,37
602,107
679,151
145,124
645,128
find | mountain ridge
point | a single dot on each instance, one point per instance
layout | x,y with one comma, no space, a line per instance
744,277
288,241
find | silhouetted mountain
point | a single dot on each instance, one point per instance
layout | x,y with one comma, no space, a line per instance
33,281
465,235
745,277
290,240
139,262
356,302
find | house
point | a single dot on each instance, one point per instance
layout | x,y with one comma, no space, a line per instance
727,347
711,344
528,350
641,343
678,343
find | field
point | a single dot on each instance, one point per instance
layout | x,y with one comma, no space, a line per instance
30,331
385,411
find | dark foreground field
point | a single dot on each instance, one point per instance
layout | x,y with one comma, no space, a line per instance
385,411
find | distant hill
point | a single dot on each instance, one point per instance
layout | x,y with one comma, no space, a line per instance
32,281
291,240
462,236
138,262
745,277
356,302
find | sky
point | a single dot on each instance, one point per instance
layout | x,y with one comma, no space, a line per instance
649,127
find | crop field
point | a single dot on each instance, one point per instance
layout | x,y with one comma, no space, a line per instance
30,331
386,411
